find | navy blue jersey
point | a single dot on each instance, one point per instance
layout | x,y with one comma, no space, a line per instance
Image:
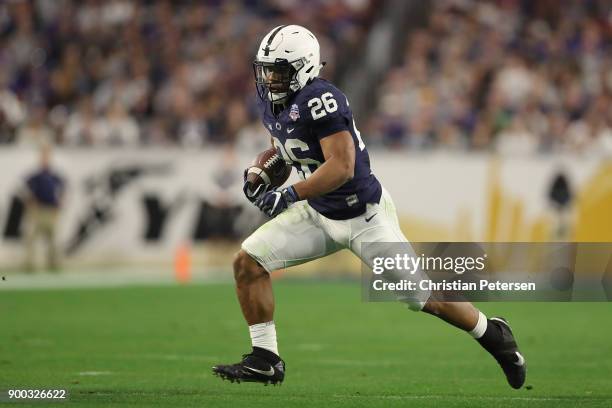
315,112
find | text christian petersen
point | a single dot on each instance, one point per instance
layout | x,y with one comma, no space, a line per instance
458,265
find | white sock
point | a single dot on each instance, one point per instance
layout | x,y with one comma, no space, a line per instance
481,326
264,335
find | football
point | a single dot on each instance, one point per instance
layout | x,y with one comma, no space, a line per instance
268,168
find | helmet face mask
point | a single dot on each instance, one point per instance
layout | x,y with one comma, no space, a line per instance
276,81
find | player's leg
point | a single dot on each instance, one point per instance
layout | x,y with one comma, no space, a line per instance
49,221
460,314
31,236
254,289
493,334
292,238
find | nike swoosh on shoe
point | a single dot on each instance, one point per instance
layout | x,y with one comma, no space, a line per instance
268,373
521,360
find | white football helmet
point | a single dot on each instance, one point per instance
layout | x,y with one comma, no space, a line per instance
287,59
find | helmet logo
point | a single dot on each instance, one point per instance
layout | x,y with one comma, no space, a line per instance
270,38
294,113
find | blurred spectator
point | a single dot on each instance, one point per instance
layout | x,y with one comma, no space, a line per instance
12,112
516,139
80,128
45,189
117,128
36,132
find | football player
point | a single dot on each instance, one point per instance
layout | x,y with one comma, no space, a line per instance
338,204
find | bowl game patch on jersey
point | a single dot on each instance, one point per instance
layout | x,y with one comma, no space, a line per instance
294,113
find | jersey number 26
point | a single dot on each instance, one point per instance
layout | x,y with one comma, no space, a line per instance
320,107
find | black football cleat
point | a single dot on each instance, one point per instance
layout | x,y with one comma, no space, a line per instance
508,355
260,366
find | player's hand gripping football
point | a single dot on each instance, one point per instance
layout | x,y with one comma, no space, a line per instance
275,202
267,172
254,192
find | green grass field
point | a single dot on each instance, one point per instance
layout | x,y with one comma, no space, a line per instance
154,346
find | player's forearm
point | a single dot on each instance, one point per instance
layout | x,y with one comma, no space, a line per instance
330,176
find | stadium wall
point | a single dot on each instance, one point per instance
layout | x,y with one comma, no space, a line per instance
138,207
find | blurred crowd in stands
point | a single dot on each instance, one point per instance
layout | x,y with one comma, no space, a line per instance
119,72
508,75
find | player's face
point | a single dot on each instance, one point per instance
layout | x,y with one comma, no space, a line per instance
276,78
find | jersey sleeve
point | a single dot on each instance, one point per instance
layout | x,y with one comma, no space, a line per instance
327,111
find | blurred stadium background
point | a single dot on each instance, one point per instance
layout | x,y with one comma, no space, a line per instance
486,120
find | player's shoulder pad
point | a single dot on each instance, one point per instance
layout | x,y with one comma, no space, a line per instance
320,99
